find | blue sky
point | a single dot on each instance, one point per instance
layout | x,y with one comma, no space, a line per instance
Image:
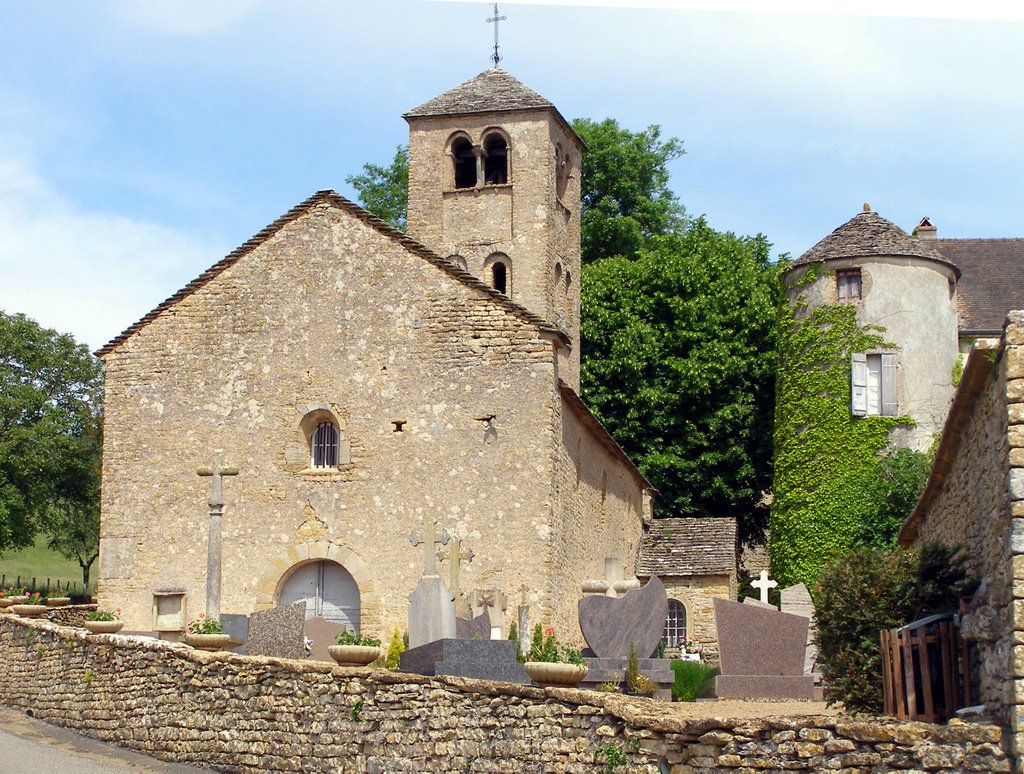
140,142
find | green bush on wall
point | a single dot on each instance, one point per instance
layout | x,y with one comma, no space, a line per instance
824,456
692,679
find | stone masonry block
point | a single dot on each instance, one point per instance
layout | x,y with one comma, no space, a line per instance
1015,436
1015,362
1017,483
1015,413
317,550
1015,390
1017,455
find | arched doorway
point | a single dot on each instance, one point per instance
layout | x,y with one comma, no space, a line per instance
328,590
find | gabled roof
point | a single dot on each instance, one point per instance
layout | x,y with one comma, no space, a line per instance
602,435
868,234
990,285
340,202
697,545
492,91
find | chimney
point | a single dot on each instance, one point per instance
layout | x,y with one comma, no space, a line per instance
926,232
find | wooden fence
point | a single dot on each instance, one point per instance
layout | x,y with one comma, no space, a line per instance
44,585
925,670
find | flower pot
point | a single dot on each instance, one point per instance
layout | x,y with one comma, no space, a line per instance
354,655
58,601
103,627
209,642
546,673
19,600
29,611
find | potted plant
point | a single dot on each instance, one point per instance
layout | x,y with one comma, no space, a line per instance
103,621
57,598
31,607
205,633
8,597
550,663
354,649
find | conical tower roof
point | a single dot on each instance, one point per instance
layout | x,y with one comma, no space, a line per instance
869,234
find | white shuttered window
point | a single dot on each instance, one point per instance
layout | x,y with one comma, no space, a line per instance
873,385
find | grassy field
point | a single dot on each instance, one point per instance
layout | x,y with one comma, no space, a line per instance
40,562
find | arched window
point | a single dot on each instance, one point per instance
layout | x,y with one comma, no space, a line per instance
458,260
465,163
495,159
562,169
499,277
328,589
323,446
675,624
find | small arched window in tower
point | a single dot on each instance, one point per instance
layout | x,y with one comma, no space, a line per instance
499,277
465,163
558,274
675,625
324,446
562,169
495,159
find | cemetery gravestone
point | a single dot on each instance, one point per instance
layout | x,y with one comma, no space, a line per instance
322,632
431,611
278,632
796,600
237,628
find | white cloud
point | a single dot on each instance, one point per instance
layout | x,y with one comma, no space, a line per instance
86,273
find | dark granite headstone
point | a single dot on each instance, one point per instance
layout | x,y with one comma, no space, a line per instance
469,628
322,632
761,652
482,659
237,627
610,624
278,632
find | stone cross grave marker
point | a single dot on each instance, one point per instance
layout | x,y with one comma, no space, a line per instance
613,584
457,555
431,612
213,543
763,584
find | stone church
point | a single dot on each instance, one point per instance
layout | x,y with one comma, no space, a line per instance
367,383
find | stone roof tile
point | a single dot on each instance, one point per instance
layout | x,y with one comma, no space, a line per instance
986,291
696,545
869,234
493,90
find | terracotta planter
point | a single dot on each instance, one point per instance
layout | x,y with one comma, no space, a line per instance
103,627
209,642
546,673
58,601
354,655
29,611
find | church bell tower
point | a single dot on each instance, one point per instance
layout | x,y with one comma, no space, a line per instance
494,186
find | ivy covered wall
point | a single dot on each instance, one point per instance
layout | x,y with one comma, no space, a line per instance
824,456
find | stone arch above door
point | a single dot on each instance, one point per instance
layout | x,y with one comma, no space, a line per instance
291,557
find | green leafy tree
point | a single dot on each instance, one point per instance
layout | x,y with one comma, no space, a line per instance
678,362
625,198
384,191
49,394
892,490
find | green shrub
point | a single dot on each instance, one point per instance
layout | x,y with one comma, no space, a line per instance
692,679
395,649
355,638
869,590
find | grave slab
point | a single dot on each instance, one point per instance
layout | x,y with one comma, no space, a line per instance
766,687
753,640
278,632
481,659
322,632
610,624
237,627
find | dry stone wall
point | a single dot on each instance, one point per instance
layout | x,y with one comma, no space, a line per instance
238,713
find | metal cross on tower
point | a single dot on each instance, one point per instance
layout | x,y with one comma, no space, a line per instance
496,57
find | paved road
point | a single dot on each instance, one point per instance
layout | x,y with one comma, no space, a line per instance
29,746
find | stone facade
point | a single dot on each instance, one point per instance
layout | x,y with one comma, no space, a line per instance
975,498
239,713
697,593
450,401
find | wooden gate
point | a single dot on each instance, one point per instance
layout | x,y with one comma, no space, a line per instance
925,670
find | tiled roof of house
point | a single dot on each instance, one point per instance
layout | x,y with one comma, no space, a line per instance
333,199
491,91
688,546
990,285
867,234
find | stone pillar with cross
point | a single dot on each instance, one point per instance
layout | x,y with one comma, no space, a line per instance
213,541
456,555
431,612
764,584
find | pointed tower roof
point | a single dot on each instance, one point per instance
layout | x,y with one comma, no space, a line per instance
869,234
493,91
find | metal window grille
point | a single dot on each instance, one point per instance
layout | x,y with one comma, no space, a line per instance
675,624
324,446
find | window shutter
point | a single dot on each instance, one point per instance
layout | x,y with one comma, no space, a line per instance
859,384
889,406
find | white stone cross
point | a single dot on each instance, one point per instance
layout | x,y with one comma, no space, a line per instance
457,555
763,584
613,584
430,537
